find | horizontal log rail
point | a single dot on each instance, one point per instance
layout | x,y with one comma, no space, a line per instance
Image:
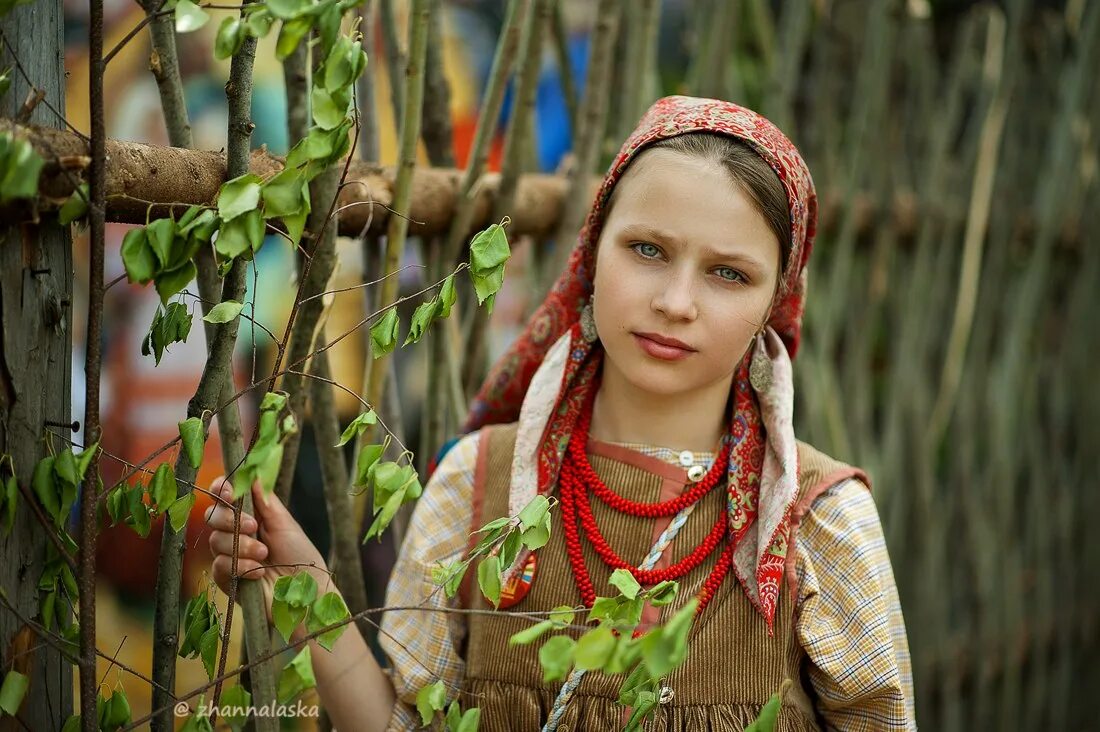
146,180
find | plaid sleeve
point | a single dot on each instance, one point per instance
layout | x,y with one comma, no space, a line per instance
850,621
422,646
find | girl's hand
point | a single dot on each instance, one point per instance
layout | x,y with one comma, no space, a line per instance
280,548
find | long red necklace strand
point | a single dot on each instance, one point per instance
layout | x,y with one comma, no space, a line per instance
577,478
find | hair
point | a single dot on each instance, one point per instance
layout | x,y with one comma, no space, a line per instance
747,170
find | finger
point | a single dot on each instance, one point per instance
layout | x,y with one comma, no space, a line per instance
271,512
221,518
221,542
222,567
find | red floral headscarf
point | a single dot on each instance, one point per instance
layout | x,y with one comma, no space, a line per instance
544,377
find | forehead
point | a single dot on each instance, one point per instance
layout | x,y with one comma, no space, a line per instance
696,199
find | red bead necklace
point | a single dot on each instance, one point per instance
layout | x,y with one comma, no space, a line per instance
577,479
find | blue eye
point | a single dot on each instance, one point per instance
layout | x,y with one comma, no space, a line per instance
637,247
737,276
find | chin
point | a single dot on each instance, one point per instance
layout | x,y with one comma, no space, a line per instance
654,377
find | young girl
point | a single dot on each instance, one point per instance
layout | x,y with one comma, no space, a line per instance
652,394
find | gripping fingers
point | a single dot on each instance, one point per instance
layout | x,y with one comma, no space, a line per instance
220,516
221,542
246,569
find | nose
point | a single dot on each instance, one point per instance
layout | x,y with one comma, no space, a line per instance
676,301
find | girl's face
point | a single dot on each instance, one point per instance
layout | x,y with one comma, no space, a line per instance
685,255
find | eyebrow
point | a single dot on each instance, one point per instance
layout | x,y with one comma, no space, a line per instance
645,231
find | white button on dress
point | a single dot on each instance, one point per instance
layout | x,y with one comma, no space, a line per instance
686,458
696,473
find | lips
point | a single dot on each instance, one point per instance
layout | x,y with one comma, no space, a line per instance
666,341
661,351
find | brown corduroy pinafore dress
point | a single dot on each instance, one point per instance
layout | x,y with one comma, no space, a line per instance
733,665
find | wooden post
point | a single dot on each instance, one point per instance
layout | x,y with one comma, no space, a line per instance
36,319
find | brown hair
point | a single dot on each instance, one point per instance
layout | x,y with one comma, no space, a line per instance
747,170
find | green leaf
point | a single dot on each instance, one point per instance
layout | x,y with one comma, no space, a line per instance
556,657
447,297
139,518
421,320
369,456
296,676
287,9
470,720
259,23
170,283
454,716
242,234
286,617
337,69
664,648
208,649
114,712
193,438
537,536
230,38
383,334
385,514
509,550
486,285
290,35
45,487
534,512
162,488
643,705
138,257
196,723
239,196
329,108
234,706
84,458
197,223
357,427
531,634
223,312
189,16
562,615
663,593
295,224
12,692
328,609
626,654
285,194
496,523
20,180
625,582
769,714
180,509
76,207
160,234
116,503
594,648
274,401
450,576
489,249
301,590
603,608
429,700
488,578
64,467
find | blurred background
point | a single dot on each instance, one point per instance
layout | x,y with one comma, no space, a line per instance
950,332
